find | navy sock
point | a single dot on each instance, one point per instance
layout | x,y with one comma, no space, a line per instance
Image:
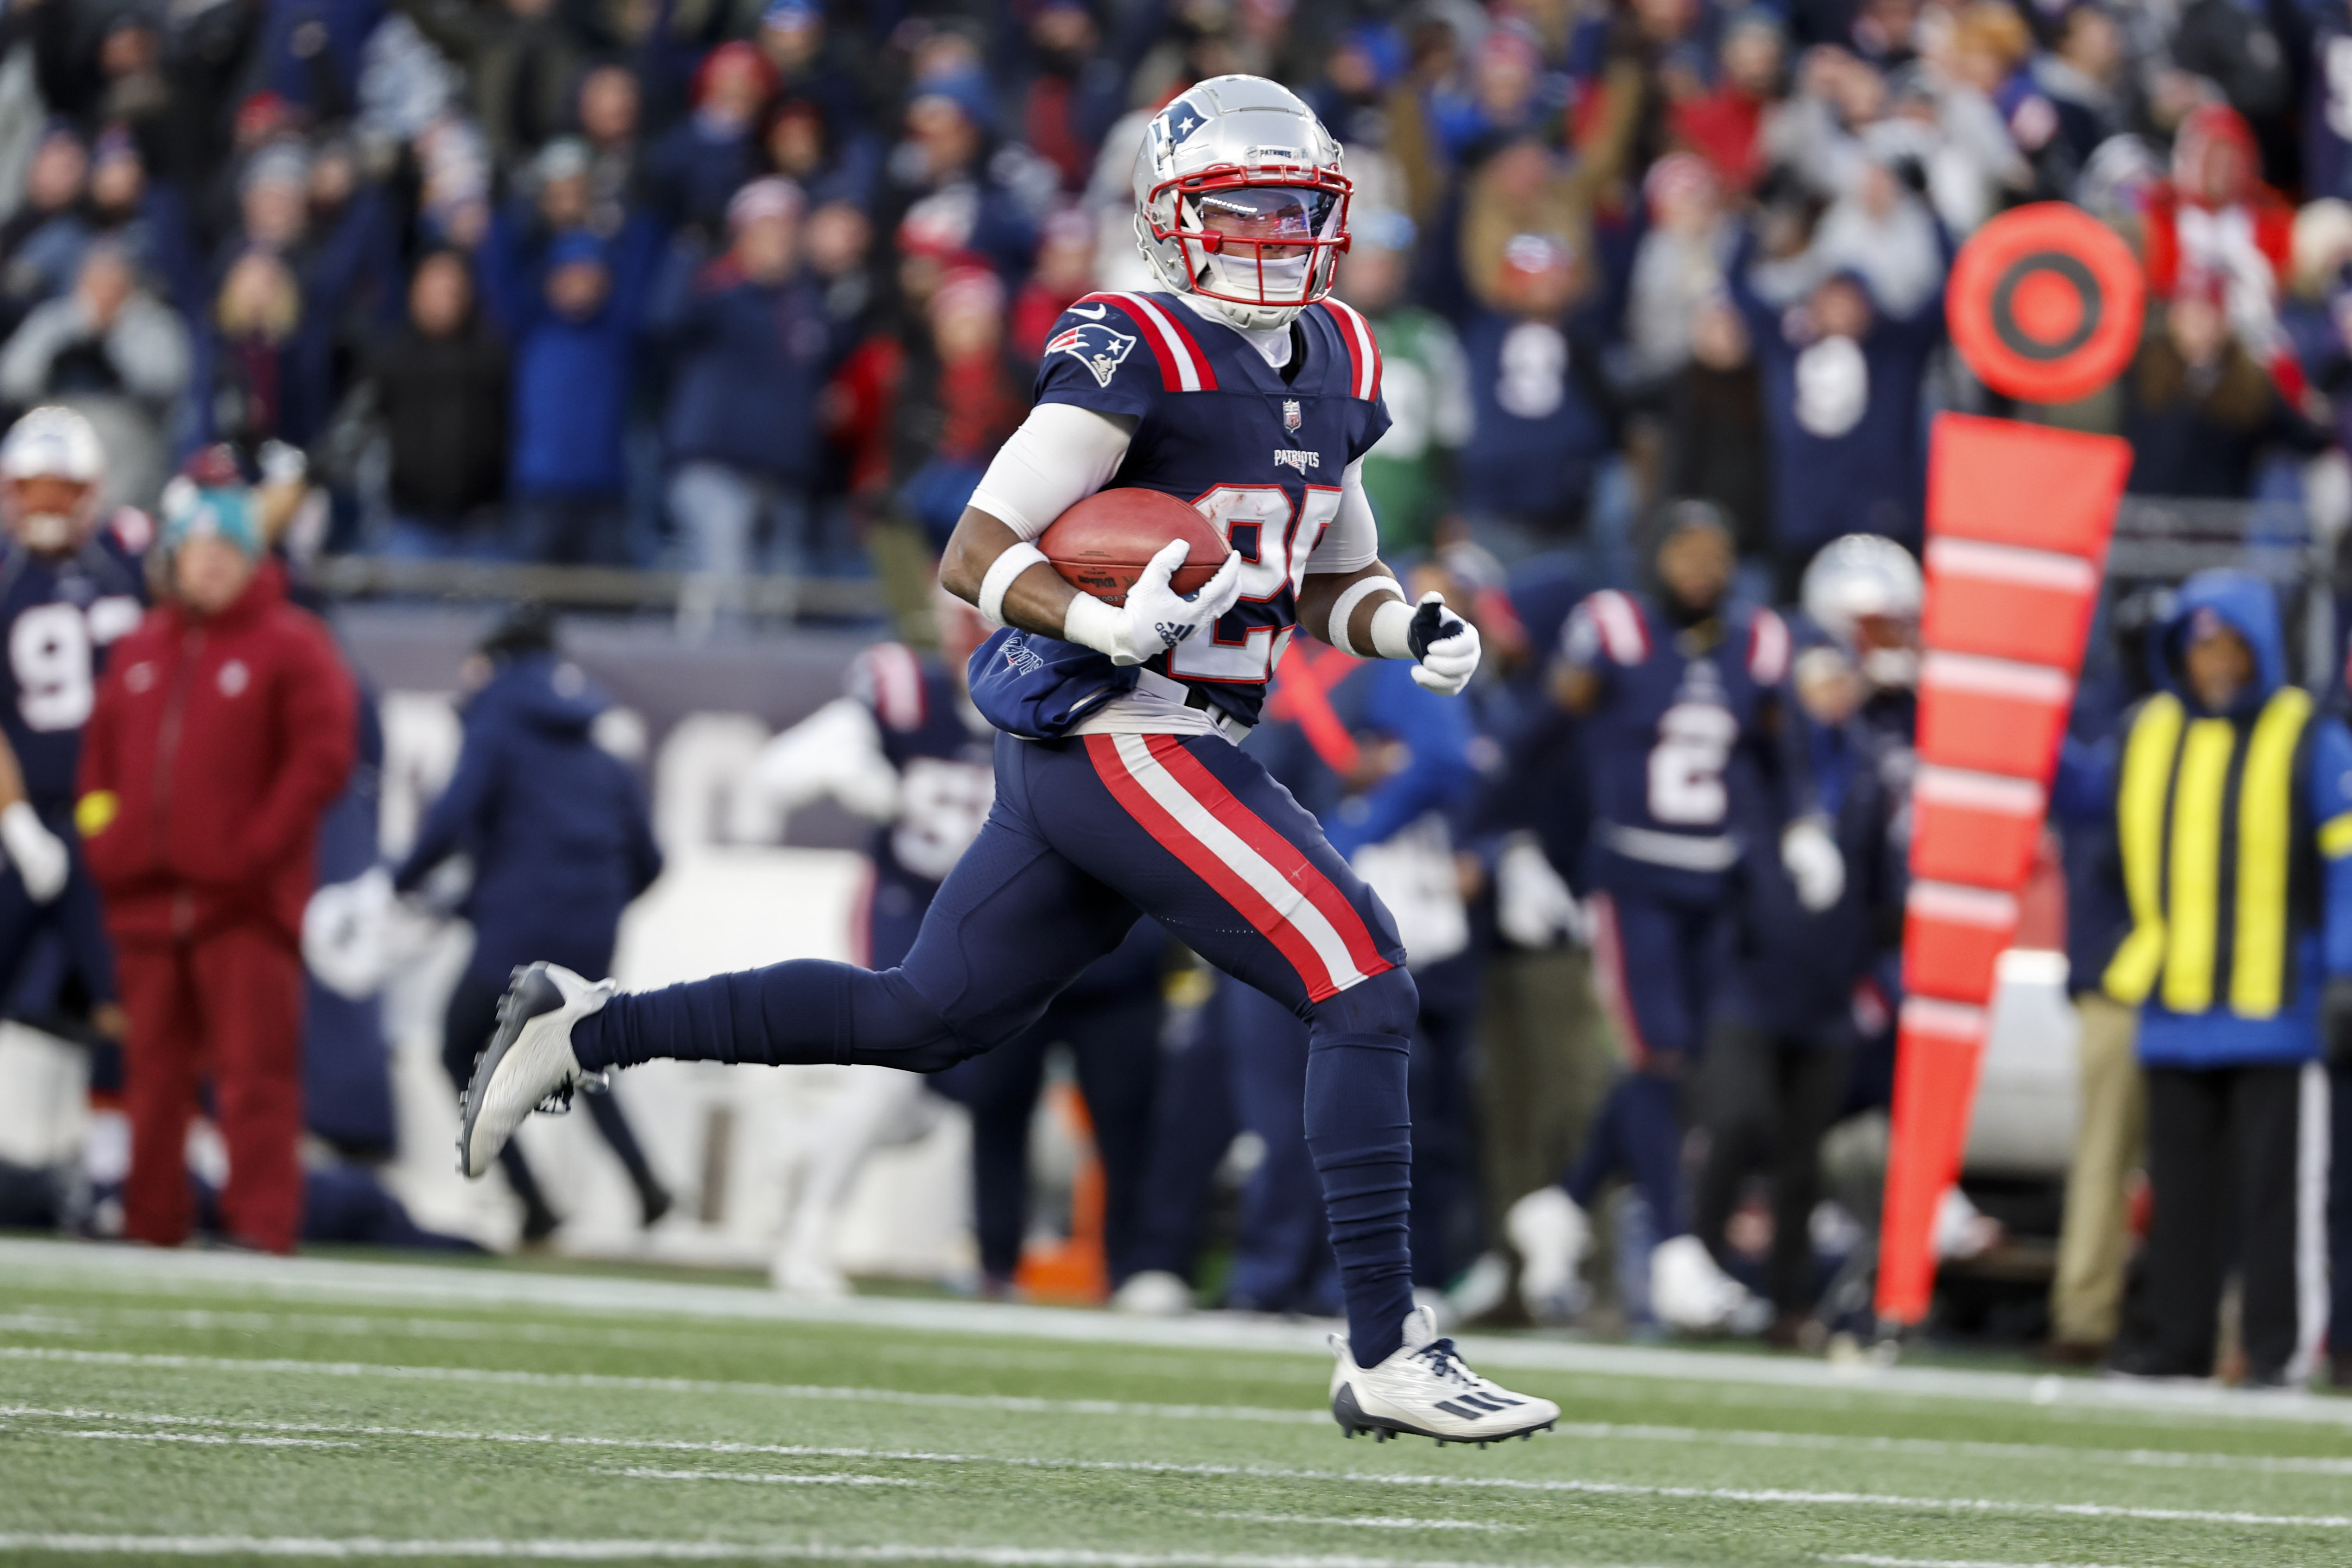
1649,1130
1360,1135
1637,1131
807,1010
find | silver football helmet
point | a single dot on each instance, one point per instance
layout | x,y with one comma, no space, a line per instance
59,446
1239,200
1865,592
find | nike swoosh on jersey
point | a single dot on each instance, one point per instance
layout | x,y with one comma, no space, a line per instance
1091,312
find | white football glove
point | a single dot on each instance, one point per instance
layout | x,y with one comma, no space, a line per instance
1812,861
41,857
1155,617
1533,907
1444,647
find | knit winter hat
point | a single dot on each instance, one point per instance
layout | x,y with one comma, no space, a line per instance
194,511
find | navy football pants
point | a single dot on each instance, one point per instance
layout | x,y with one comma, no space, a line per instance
1651,959
75,914
1085,834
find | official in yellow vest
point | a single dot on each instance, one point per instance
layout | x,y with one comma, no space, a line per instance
2233,810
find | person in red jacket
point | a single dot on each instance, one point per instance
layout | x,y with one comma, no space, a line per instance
223,727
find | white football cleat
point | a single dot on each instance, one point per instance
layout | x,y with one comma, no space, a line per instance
528,1065
1425,1391
1689,1291
1153,1293
1552,1236
798,1273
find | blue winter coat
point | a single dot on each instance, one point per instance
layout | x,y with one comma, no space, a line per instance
557,826
2323,946
751,361
572,379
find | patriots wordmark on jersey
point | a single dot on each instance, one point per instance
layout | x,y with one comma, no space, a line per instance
62,615
1676,707
1259,451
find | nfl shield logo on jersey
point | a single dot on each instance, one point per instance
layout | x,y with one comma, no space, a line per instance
1290,416
1098,348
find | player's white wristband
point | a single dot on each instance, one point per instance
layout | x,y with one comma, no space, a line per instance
40,856
1345,611
1016,559
1092,623
1391,623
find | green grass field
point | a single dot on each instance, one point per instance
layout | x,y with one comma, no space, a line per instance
214,1405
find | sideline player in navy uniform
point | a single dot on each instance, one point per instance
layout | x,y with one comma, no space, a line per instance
1680,695
69,587
1241,388
904,749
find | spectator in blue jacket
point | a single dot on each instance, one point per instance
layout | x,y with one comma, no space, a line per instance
699,164
752,348
560,842
574,324
2234,814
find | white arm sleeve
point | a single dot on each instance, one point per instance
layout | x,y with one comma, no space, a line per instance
836,751
1060,455
1353,540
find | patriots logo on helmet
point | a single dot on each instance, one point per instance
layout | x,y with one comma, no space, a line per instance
1096,347
1177,124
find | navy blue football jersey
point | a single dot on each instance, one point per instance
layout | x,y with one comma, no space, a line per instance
61,618
1665,746
946,782
1260,452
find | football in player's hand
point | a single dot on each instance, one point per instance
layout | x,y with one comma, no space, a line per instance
1100,545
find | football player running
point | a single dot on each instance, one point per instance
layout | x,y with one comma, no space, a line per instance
1240,387
1682,694
69,585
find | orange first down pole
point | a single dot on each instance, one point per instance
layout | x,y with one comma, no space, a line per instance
2018,521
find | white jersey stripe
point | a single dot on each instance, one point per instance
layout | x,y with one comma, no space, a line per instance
1366,366
1177,353
1620,627
1290,904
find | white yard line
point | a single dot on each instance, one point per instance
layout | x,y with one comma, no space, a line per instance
1025,1405
212,1439
1870,1560
415,1283
1368,1521
1005,1403
768,1477
1562,1486
557,1549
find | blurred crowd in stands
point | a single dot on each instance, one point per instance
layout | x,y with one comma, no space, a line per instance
701,283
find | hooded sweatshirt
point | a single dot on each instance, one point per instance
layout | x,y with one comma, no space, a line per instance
2319,902
557,827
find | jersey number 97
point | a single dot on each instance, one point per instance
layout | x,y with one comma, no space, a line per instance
51,654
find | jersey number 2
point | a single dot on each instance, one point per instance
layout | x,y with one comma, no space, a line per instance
1275,544
1686,765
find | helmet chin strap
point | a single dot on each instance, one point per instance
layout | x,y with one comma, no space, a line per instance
1251,318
